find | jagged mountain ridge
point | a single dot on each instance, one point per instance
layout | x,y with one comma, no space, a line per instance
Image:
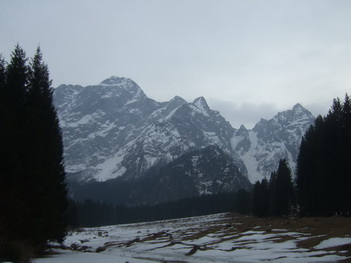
114,130
97,120
271,140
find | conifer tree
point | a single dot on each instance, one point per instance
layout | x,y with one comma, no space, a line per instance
44,154
284,190
32,175
345,180
323,170
306,163
272,187
260,205
16,82
12,117
2,73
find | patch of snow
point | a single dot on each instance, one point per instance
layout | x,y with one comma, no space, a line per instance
199,110
75,168
249,158
171,240
67,256
110,169
131,101
333,242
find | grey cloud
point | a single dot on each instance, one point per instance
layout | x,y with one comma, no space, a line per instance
246,113
252,57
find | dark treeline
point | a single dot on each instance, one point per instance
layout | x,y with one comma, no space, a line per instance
275,197
32,175
323,167
94,213
165,182
322,184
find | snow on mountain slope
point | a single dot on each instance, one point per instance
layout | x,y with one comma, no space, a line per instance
97,120
189,126
114,130
271,140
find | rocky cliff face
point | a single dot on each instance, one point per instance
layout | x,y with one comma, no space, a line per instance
271,140
98,121
113,130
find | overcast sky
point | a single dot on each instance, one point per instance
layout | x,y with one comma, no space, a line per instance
248,58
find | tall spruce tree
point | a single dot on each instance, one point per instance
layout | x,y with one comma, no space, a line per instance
345,168
44,154
305,171
2,73
276,197
272,193
284,191
12,117
323,170
32,175
260,199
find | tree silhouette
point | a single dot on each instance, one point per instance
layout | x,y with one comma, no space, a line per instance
284,190
323,170
32,176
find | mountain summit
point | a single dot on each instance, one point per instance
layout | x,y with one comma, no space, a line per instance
271,140
113,130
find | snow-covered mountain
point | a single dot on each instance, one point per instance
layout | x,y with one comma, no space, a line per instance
99,121
271,140
113,130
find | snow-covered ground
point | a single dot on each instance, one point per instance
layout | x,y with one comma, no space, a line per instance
212,238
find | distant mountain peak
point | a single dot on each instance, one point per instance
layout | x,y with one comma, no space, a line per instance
114,80
177,98
124,85
298,106
299,110
201,103
241,130
271,140
114,130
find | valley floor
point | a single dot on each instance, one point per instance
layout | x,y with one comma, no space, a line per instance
212,238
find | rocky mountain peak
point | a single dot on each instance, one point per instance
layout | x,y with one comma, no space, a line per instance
298,107
299,111
113,130
241,130
271,140
178,100
114,81
201,103
116,86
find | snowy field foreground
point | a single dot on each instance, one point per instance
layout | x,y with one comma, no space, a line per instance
213,238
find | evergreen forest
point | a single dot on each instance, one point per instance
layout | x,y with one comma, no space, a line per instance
275,197
90,213
32,176
323,176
